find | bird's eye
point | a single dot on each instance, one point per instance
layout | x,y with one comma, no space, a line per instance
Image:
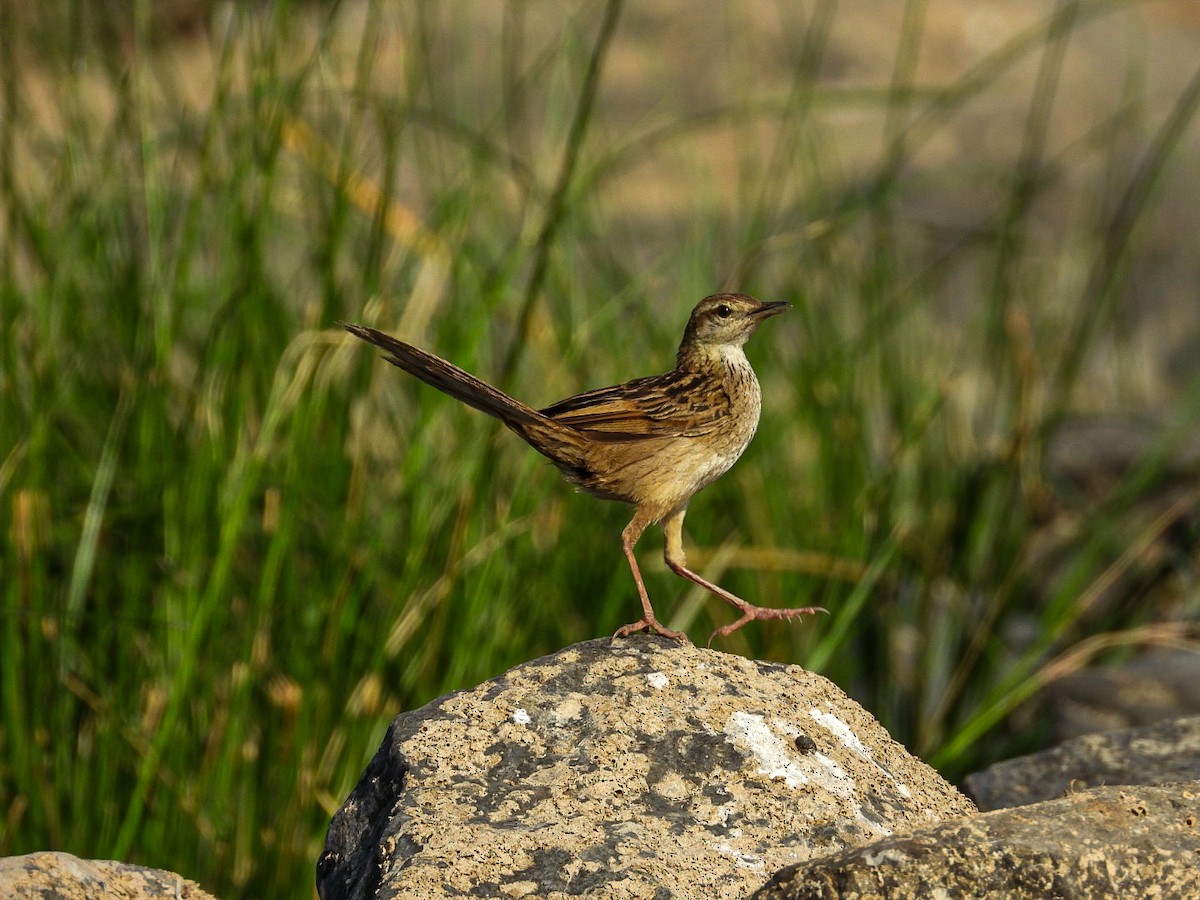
724,311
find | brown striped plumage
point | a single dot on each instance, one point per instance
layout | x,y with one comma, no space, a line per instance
652,442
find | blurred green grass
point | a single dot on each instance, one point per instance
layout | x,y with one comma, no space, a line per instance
236,544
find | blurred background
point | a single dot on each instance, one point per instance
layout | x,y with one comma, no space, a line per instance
236,544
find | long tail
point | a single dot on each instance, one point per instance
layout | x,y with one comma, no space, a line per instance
450,379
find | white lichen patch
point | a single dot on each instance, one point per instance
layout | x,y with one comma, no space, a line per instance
567,711
841,731
742,860
846,735
672,787
751,734
708,814
658,680
887,856
771,745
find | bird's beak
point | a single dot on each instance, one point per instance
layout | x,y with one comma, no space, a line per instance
771,309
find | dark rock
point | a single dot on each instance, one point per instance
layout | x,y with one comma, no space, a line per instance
634,768
1169,751
1150,688
62,876
1105,842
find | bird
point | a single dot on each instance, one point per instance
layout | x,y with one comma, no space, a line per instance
652,442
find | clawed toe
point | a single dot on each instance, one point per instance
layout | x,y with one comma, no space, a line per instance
644,624
760,613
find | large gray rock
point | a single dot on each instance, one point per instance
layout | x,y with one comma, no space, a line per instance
631,768
1169,751
65,877
1105,842
1158,685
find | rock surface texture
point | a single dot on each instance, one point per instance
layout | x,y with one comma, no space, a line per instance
1105,842
631,768
1169,751
66,877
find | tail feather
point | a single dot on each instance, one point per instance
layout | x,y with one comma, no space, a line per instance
563,444
449,378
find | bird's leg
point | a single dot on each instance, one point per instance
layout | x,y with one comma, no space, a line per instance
629,537
677,562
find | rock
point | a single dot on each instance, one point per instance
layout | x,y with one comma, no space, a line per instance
632,768
1159,685
1104,842
66,877
1169,751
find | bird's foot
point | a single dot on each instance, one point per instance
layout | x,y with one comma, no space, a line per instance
649,623
751,613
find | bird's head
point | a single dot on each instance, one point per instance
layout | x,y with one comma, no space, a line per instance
725,320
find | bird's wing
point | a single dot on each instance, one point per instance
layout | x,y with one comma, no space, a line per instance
677,404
